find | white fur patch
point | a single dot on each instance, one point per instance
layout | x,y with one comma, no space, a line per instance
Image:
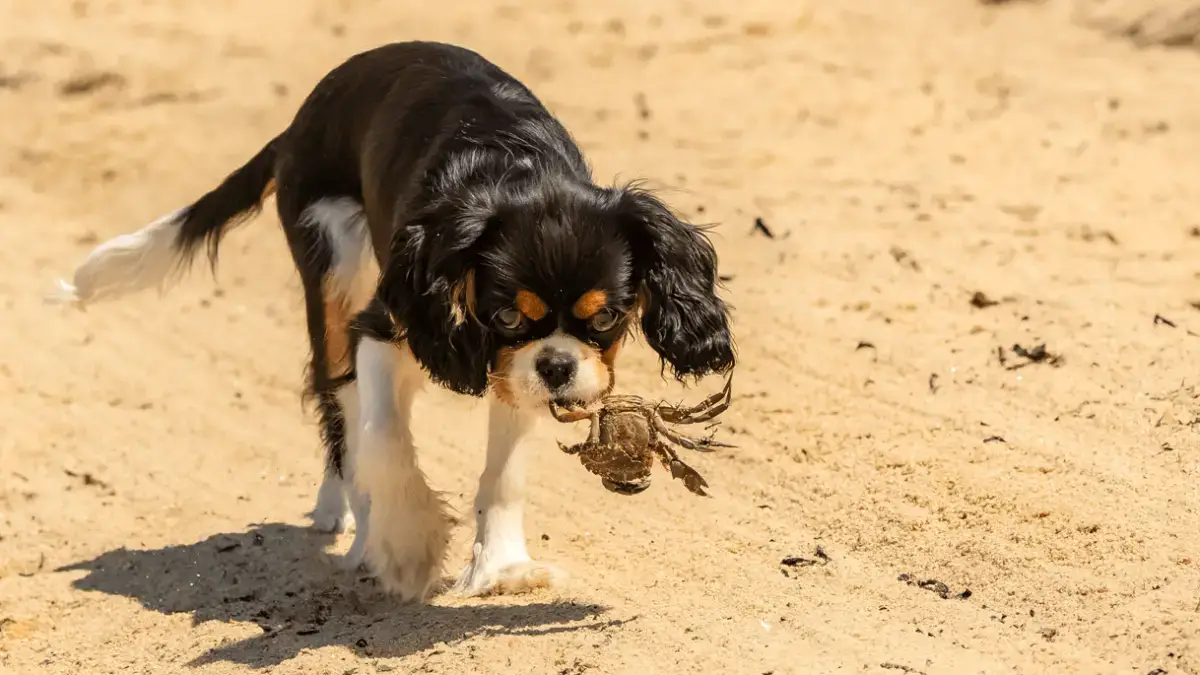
127,264
408,529
591,378
354,272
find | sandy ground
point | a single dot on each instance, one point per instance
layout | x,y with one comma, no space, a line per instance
156,464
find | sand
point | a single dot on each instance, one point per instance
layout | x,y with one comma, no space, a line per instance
156,463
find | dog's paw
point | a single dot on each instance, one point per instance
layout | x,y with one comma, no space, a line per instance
410,570
328,522
355,558
330,514
351,563
406,547
500,575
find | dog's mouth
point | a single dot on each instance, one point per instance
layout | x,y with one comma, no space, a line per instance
571,401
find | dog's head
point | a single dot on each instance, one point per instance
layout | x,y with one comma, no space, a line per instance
531,291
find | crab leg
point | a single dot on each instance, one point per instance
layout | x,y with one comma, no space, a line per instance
671,462
567,415
666,454
680,439
594,434
706,410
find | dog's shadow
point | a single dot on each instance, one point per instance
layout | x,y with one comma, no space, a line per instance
278,577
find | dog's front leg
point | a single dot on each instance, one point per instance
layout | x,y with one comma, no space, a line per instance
500,562
408,526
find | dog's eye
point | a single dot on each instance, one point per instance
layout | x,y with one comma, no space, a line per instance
604,320
509,318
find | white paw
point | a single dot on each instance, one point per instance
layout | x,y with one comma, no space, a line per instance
329,515
329,521
506,575
352,561
355,558
406,544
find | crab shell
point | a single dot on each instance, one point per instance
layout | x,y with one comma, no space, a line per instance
627,489
622,470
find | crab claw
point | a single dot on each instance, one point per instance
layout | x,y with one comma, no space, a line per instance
571,450
691,478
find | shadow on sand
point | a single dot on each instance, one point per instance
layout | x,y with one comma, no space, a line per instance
278,577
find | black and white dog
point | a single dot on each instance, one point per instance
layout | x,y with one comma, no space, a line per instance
445,227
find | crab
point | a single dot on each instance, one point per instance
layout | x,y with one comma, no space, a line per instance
628,433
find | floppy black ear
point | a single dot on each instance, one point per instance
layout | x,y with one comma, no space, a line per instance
683,319
428,287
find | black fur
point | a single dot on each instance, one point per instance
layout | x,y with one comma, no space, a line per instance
238,198
472,191
428,267
560,242
684,319
333,427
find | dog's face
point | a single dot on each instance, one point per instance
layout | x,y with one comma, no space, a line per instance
532,293
556,292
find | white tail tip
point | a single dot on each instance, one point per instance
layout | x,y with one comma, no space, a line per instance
125,264
64,293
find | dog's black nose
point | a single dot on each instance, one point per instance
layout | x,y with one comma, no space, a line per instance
556,369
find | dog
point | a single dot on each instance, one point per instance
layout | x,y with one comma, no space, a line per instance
446,228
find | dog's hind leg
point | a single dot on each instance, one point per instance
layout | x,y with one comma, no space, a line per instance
329,244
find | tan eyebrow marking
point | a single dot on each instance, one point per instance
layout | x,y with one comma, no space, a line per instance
529,304
589,303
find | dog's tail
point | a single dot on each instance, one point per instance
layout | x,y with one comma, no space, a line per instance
161,252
